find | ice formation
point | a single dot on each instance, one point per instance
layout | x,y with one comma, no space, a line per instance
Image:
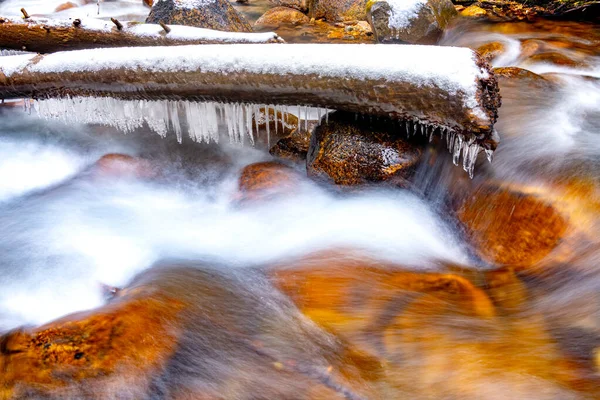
241,121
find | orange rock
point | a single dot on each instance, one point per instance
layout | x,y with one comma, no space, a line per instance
511,228
264,180
489,51
282,15
473,11
99,354
122,165
65,6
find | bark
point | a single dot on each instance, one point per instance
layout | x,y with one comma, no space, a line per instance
43,35
231,74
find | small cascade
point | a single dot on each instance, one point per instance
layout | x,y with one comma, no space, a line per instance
458,145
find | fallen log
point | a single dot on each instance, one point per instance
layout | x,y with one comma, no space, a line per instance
442,90
44,35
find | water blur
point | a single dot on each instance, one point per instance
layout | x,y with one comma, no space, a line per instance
371,280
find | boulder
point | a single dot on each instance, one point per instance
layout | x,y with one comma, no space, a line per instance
349,150
212,14
420,22
282,16
124,166
338,10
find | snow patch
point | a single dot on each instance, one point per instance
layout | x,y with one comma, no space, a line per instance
403,12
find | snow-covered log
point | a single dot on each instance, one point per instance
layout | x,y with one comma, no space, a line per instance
44,35
443,88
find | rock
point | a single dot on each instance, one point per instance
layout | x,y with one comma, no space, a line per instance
422,23
148,3
555,58
180,332
282,15
124,166
300,5
511,228
65,6
515,78
266,180
489,51
350,152
294,147
474,11
338,10
211,14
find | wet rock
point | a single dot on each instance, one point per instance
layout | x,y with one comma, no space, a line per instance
511,228
489,51
300,5
266,180
474,11
124,166
213,14
514,78
148,3
282,15
423,23
180,331
555,58
65,6
338,10
294,147
350,151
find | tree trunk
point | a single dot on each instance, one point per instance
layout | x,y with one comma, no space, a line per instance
43,35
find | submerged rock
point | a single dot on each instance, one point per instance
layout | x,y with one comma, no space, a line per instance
338,10
420,22
123,165
350,151
511,228
282,15
180,332
266,180
212,14
489,51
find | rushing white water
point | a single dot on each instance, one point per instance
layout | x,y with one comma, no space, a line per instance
91,230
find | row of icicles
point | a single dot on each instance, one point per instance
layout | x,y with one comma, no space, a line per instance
202,120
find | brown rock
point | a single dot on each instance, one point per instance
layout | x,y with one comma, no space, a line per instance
426,28
555,58
65,6
338,10
511,228
265,180
282,15
213,14
349,151
294,147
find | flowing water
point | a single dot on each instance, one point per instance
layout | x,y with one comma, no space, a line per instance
68,227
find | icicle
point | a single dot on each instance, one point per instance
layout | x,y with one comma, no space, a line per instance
299,119
256,115
458,140
275,110
267,125
414,128
174,120
326,116
248,113
490,155
306,118
431,133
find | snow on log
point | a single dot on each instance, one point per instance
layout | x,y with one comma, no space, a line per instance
447,89
44,35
